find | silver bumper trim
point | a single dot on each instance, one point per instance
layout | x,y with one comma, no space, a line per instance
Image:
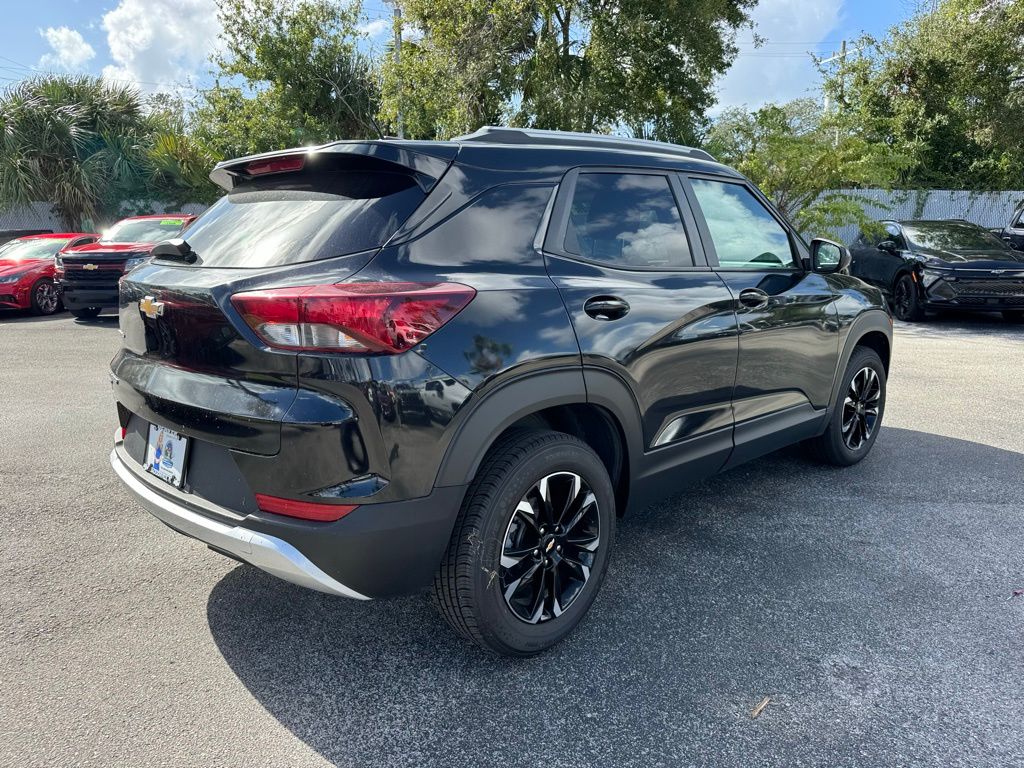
269,553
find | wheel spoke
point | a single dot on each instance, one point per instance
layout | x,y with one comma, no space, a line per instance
550,547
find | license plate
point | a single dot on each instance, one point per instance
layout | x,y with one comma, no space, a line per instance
165,454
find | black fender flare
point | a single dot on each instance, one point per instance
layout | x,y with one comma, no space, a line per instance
869,321
502,405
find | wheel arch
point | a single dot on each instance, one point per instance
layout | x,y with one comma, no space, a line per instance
872,329
555,400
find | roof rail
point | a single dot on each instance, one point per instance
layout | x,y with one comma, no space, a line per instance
535,136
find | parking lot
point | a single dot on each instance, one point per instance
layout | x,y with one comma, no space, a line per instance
875,606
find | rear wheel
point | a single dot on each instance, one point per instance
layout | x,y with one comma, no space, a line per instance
86,313
906,304
857,416
531,544
44,299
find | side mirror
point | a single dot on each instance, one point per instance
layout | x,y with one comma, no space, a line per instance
828,257
888,246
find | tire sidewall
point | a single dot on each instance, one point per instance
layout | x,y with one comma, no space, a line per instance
496,618
861,358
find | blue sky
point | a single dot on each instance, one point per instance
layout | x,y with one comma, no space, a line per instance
164,44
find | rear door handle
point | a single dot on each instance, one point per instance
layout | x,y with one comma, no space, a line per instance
754,298
606,307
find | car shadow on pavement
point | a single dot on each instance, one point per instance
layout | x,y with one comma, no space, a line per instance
961,324
874,606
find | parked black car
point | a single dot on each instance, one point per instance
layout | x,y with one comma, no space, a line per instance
934,265
377,367
1013,233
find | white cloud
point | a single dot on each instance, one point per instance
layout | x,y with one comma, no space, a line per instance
160,44
68,49
375,28
781,69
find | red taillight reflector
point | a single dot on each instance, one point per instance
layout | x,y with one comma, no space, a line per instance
356,318
306,510
275,165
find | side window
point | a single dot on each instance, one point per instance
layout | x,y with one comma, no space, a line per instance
627,220
745,234
894,233
1018,222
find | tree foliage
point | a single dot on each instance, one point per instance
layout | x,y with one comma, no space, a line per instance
585,65
288,74
799,155
87,146
946,89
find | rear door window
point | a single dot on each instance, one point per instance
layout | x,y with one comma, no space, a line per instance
627,220
280,222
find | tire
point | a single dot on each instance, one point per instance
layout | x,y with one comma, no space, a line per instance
472,582
841,447
44,299
1013,315
86,313
906,304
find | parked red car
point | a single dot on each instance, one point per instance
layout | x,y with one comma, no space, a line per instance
87,275
27,270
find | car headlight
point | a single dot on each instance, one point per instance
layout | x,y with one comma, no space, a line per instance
58,262
135,261
8,279
930,276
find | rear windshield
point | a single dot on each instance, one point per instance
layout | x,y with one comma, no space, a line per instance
143,230
266,225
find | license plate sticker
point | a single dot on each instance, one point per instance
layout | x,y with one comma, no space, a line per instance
165,454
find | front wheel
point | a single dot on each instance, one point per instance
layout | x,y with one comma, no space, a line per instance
906,304
44,299
531,544
857,415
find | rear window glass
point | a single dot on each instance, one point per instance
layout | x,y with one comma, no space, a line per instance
265,225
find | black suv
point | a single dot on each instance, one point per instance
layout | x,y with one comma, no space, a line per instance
377,367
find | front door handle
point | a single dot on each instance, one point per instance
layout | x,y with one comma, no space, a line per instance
754,298
606,307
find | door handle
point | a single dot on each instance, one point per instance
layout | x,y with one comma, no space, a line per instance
754,298
606,307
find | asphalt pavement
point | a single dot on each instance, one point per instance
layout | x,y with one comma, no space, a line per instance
874,607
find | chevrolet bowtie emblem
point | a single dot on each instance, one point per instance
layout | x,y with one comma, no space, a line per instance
549,546
90,267
150,307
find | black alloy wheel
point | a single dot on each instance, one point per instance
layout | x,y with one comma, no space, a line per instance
905,303
856,415
549,548
530,547
860,408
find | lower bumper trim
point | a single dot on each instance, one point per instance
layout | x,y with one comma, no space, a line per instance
268,553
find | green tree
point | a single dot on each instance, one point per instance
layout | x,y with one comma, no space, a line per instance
799,156
289,74
89,147
572,64
946,89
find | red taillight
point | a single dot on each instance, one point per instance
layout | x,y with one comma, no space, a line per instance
358,318
275,165
306,510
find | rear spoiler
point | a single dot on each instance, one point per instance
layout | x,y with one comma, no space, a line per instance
427,161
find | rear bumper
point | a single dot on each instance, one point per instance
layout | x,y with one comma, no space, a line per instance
378,550
268,553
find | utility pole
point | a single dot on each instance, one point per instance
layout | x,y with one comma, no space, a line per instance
397,24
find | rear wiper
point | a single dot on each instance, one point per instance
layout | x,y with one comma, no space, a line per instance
175,250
